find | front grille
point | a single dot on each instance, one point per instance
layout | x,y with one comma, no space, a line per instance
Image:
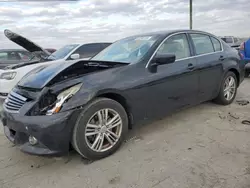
14,102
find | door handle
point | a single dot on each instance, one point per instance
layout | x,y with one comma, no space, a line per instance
190,66
221,58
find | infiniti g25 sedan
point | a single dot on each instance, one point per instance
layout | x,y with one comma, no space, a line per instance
91,104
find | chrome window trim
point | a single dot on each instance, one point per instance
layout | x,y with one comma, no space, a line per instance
185,32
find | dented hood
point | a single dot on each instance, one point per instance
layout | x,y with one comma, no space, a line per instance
24,42
39,77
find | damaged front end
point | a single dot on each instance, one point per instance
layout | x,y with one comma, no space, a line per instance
40,112
51,102
53,91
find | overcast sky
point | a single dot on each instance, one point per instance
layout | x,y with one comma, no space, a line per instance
55,23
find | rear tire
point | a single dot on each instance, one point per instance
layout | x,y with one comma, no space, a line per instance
228,89
93,136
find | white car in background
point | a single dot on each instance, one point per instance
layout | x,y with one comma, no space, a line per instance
11,75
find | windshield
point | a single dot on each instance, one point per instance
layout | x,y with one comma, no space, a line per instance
227,39
128,50
62,52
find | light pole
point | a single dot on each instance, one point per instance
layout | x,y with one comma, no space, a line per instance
190,14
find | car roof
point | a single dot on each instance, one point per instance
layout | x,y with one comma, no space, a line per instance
169,32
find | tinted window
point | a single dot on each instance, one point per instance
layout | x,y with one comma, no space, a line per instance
105,45
88,50
216,43
202,44
3,55
178,45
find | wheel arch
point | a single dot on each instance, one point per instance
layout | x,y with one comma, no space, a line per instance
237,74
120,99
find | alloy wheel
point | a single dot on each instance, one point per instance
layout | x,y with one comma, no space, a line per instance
103,130
229,88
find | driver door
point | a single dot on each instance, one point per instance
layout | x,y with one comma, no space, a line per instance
172,86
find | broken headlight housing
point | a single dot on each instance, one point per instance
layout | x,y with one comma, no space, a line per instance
62,98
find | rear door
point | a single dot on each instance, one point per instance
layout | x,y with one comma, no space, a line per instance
209,56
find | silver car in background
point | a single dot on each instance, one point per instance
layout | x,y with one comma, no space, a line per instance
77,51
234,42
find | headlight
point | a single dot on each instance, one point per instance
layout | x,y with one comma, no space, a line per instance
62,97
8,75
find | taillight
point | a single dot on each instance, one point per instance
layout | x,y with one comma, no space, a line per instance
242,46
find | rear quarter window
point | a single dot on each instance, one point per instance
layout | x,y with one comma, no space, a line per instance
216,44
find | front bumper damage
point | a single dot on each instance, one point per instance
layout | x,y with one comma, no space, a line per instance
53,133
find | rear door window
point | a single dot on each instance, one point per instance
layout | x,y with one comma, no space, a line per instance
202,44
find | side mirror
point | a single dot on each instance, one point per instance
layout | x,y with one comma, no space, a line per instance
75,56
161,59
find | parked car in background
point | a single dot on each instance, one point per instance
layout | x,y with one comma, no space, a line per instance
10,57
234,42
13,56
12,74
30,46
90,104
78,51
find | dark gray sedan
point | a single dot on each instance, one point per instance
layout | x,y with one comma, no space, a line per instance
91,104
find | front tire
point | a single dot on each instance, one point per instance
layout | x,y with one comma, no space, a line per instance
228,89
100,129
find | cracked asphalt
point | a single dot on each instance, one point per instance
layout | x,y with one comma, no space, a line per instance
205,146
